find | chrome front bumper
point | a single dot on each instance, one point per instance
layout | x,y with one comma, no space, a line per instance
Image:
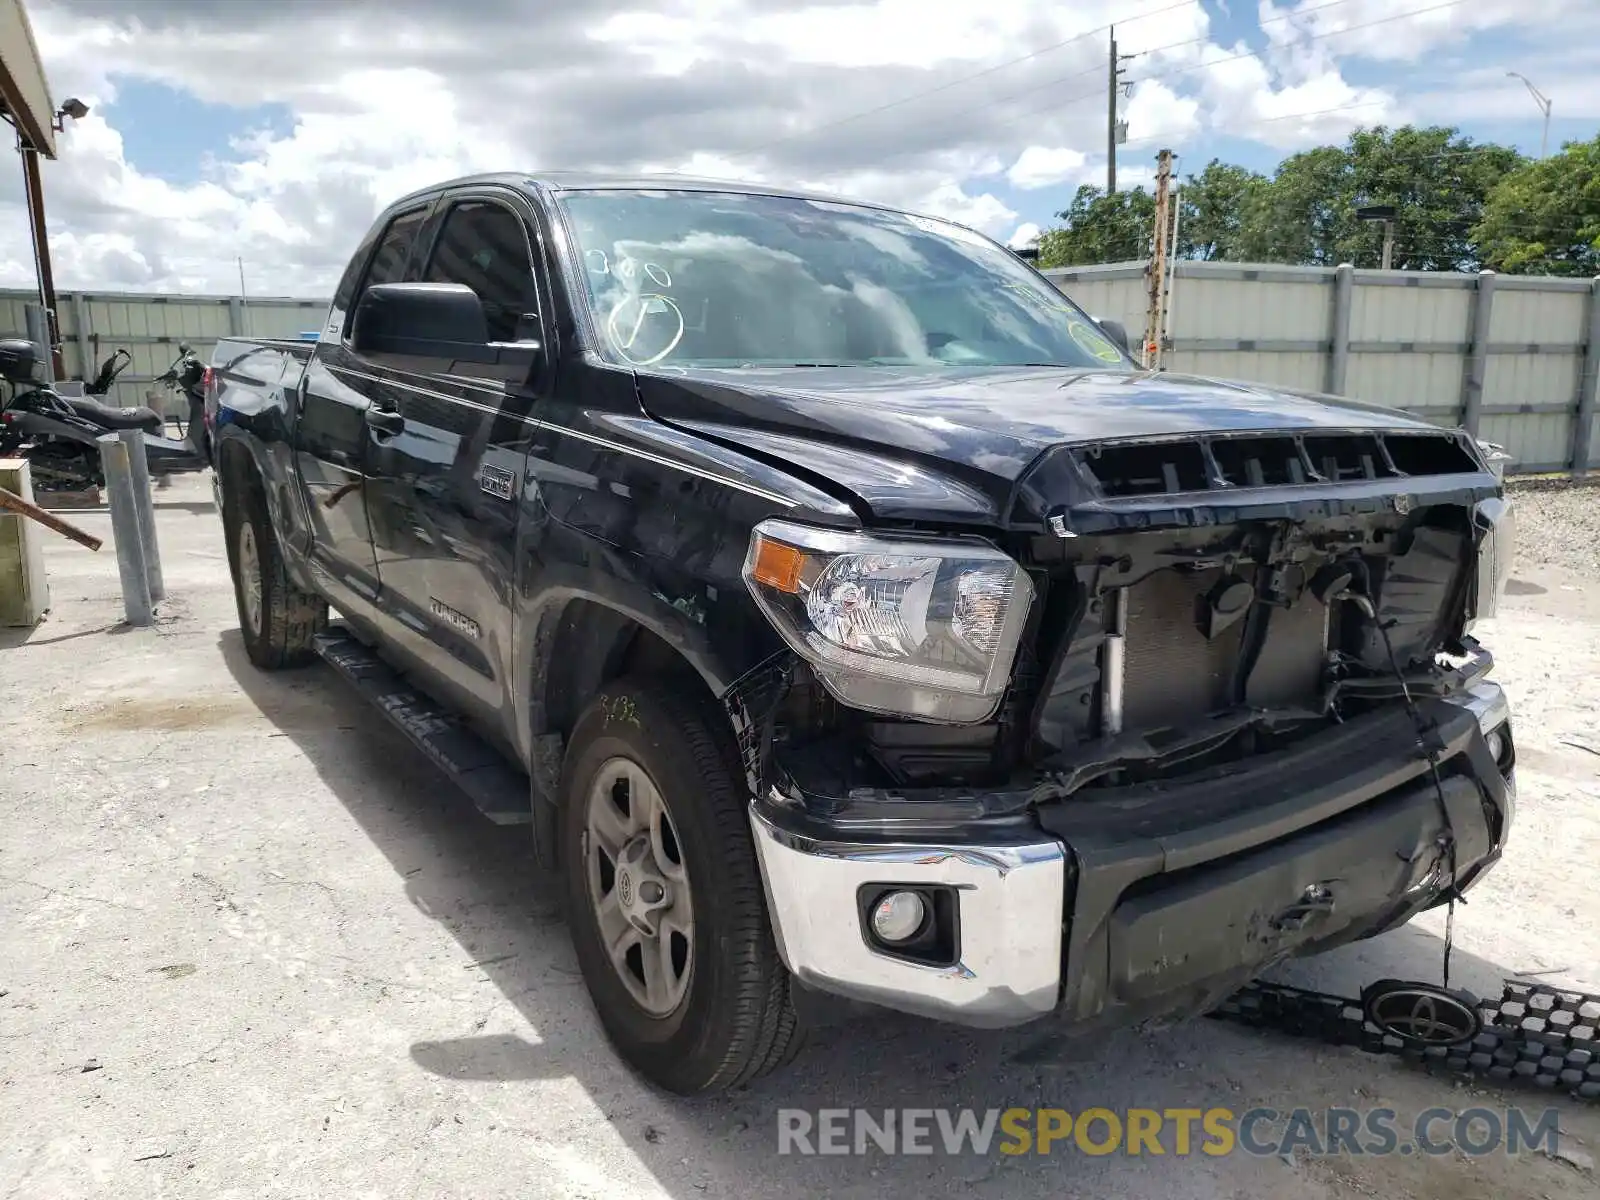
1010,913
1008,963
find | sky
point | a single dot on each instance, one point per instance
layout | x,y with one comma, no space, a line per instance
267,135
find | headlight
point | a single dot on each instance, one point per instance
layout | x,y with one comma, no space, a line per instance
1495,456
917,628
1497,519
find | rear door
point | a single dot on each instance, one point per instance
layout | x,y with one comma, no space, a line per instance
331,429
445,484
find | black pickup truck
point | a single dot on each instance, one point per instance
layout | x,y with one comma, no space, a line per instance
848,616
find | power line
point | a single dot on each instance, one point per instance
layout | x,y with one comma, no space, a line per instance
954,83
1051,82
1316,37
1031,110
1288,16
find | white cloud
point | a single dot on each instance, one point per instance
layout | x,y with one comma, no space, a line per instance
1157,112
1042,166
1026,235
388,96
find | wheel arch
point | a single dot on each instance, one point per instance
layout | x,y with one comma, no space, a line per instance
244,461
573,647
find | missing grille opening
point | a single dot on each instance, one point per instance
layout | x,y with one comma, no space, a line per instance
1148,470
1344,458
1428,454
1154,469
1259,462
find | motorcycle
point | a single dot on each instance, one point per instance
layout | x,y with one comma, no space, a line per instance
57,434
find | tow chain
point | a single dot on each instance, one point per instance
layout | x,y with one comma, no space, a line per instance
1534,1036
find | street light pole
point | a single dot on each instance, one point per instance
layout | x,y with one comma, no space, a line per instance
1545,104
34,186
41,256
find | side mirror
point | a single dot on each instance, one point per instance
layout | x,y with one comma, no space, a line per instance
436,328
1029,254
1118,333
183,348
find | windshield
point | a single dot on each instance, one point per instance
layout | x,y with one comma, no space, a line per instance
722,279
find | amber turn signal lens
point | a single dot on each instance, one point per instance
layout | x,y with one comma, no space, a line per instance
777,566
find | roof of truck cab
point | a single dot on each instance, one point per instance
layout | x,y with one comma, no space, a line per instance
573,181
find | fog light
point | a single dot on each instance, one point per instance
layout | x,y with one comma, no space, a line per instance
899,916
1497,744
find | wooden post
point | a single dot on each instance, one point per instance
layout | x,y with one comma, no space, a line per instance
24,507
1160,233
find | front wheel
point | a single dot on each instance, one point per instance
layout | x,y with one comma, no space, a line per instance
664,895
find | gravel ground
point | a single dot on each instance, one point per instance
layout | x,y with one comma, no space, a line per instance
252,946
1558,526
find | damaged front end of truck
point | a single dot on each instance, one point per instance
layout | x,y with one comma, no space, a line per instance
1204,703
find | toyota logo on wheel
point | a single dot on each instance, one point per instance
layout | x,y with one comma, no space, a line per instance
1422,1014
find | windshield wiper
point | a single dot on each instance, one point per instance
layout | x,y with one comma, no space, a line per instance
785,365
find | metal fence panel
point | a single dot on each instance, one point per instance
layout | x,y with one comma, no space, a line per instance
1405,314
1410,339
1517,355
151,328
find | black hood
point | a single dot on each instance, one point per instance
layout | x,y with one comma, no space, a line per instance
955,443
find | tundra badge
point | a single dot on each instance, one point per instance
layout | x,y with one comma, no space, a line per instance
462,623
497,481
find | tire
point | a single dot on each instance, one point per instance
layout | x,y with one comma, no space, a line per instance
276,619
734,1020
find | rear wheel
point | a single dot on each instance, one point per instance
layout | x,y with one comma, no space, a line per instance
276,619
664,894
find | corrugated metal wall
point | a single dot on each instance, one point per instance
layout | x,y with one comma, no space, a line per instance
1410,342
1410,339
93,324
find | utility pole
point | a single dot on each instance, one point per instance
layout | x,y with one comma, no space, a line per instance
34,186
1160,236
1385,214
41,253
1115,131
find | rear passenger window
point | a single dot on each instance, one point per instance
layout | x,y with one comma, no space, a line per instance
485,246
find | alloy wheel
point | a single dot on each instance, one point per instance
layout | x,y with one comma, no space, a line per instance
638,888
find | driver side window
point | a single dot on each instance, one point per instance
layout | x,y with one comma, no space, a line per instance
485,246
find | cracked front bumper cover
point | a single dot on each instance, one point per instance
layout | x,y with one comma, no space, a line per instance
1160,902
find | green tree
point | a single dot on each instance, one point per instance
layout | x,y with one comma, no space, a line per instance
1302,214
1216,203
1100,229
1437,180
1544,218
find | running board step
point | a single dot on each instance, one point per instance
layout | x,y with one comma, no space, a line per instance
500,792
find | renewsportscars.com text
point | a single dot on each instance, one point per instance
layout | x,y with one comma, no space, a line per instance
1165,1131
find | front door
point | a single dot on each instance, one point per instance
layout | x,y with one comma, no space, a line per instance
445,474
331,431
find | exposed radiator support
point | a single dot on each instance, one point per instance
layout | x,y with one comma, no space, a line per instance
1111,674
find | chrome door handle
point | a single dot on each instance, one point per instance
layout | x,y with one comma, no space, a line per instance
385,421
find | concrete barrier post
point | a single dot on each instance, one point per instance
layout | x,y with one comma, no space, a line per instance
139,468
136,605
